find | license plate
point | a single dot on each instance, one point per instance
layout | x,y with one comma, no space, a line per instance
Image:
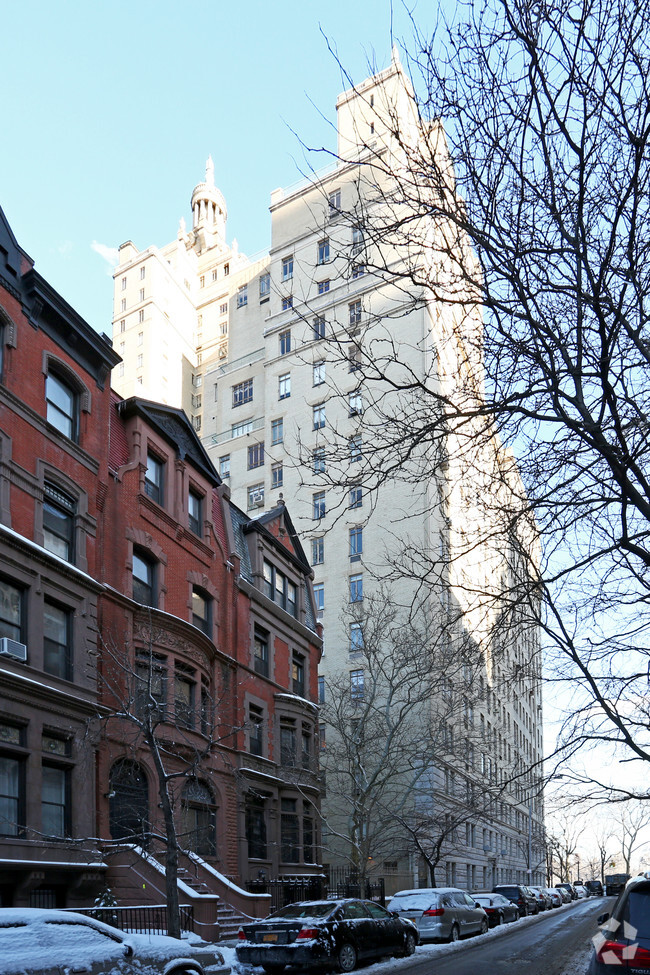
270,937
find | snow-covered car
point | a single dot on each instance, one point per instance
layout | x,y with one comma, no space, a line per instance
325,934
441,913
581,891
50,942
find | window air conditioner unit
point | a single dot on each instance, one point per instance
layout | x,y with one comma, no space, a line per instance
257,499
13,649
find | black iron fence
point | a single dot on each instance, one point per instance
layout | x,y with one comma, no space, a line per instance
149,919
337,883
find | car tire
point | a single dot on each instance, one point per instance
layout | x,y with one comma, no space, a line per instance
485,925
347,957
454,934
273,969
500,920
517,916
409,945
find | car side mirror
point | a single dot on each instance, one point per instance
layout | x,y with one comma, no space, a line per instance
476,904
394,913
128,949
603,918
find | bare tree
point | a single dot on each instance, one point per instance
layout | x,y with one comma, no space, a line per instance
634,818
401,752
146,719
530,209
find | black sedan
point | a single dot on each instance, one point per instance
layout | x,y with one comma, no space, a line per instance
325,934
498,908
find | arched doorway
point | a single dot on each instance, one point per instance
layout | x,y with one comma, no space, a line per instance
198,819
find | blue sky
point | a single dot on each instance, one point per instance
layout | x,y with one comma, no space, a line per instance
111,109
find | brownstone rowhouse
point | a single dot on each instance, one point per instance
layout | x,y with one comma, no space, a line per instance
129,581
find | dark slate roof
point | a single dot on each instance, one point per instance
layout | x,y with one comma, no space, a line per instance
173,424
239,522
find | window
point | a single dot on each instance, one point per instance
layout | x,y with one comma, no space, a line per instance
255,456
58,522
226,270
151,685
255,725
284,386
184,690
318,504
54,801
287,268
194,511
356,496
265,287
319,596
356,588
57,640
323,287
319,373
289,839
287,742
358,271
144,579
139,361
224,466
11,611
318,460
140,338
354,357
277,431
285,342
201,610
242,295
356,637
317,550
356,685
255,828
357,241
123,284
334,203
142,272
123,325
287,302
323,251
242,393
12,802
321,690
319,416
62,406
278,588
305,751
202,281
356,543
123,304
277,475
355,403
298,674
223,308
154,478
198,819
261,652
241,429
141,294
256,496
354,311
355,445
319,327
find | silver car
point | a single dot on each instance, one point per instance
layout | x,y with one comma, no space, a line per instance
441,913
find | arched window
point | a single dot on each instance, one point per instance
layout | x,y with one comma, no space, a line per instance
199,819
128,802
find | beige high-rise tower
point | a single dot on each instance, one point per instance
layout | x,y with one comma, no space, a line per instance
272,361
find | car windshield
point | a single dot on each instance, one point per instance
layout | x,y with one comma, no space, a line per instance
299,911
637,912
508,890
483,898
413,901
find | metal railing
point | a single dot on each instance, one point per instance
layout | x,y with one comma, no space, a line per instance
144,919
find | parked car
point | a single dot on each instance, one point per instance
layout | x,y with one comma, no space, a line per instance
564,894
571,889
325,933
440,913
543,900
624,942
581,891
498,908
556,897
524,898
594,888
50,942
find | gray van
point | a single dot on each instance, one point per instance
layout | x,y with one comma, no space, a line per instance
441,913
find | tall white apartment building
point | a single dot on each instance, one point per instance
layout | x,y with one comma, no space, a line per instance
268,360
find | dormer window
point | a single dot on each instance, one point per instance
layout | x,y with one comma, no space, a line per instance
280,589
